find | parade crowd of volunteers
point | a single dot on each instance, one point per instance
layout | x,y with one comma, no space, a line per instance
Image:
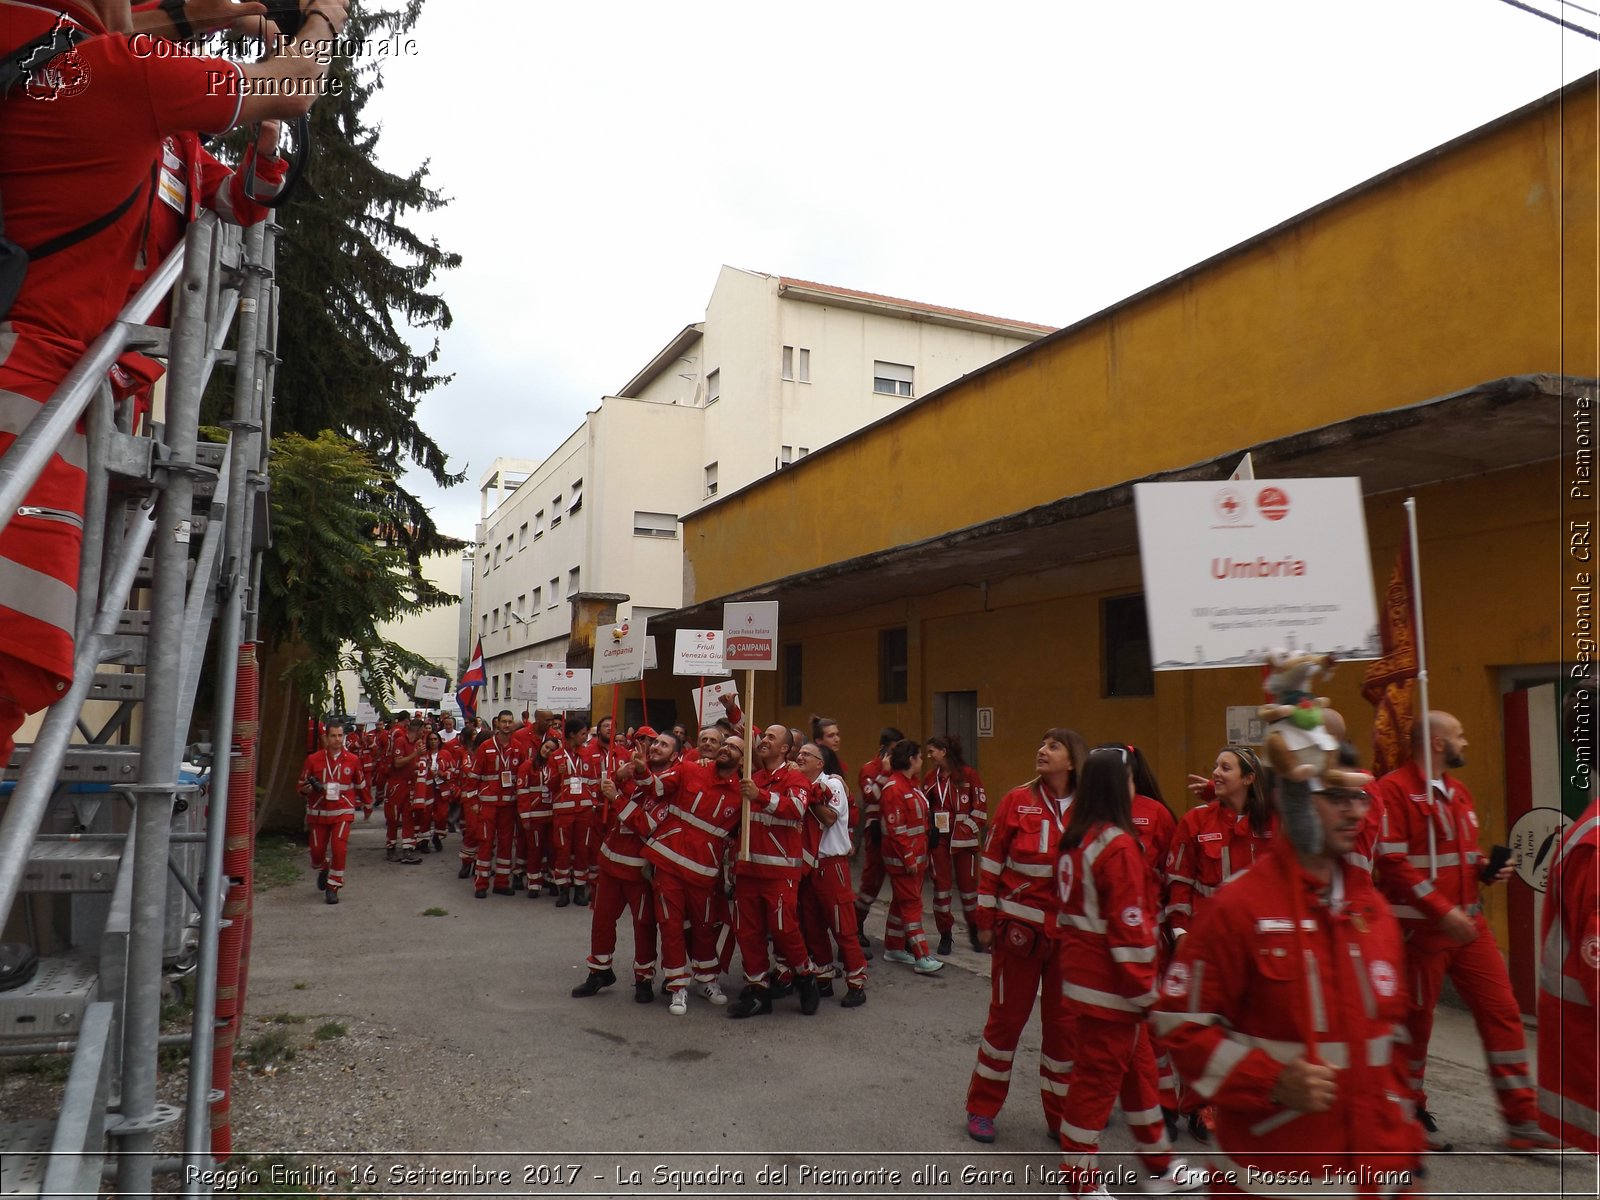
1214,974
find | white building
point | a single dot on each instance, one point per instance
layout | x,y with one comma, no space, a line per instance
434,633
778,368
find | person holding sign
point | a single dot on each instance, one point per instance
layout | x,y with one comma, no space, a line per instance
1282,1006
766,882
333,782
686,848
903,810
959,808
1017,907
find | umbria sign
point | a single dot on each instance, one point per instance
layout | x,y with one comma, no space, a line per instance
1239,567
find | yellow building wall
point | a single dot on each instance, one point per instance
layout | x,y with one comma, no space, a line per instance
1475,263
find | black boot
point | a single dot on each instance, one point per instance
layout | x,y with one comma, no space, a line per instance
331,896
322,880
480,893
643,993
780,987
810,994
854,998
465,872
945,944
972,939
581,894
550,888
752,1002
597,980
825,988
391,854
438,843
565,897
424,846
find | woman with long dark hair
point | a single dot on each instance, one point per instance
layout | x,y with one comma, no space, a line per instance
1108,952
1017,906
904,812
959,807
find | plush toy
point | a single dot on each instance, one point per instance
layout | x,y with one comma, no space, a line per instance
1304,735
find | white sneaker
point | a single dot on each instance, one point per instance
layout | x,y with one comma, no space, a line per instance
1178,1177
680,1002
712,991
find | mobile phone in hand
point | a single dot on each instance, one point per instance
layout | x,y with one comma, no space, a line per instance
1499,856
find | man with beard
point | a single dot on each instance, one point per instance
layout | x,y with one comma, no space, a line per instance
1428,865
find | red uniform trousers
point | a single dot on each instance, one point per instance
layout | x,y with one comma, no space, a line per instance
612,894
766,908
1112,1062
399,824
592,826
1479,973
519,847
1023,959
722,939
826,907
471,829
497,822
422,812
536,830
441,814
679,902
957,868
570,845
873,873
330,839
904,928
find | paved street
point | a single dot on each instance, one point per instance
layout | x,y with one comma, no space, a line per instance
480,1050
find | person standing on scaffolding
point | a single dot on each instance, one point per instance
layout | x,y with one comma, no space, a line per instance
78,175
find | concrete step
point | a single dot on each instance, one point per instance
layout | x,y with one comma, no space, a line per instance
51,1004
71,867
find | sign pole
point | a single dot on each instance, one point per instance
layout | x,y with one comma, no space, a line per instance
644,704
749,761
700,711
1422,650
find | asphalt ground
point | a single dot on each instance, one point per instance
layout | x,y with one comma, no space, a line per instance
495,1081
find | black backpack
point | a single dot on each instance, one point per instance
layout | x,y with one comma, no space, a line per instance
14,71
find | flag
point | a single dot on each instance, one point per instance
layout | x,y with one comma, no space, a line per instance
474,679
1387,684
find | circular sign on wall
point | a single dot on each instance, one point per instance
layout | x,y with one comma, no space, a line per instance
1533,840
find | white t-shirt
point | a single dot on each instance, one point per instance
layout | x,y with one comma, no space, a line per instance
836,837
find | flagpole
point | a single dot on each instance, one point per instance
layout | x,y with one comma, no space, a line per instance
1422,647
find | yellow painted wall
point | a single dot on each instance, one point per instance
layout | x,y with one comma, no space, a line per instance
1446,275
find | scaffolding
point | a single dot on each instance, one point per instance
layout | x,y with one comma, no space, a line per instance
115,846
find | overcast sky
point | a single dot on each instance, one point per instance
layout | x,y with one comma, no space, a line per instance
1036,161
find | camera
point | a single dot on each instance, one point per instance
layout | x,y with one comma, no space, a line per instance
286,15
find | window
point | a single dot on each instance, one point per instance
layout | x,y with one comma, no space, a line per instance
495,625
793,674
497,554
711,479
572,582
533,609
785,456
788,362
805,366
1126,640
555,592
522,604
484,628
892,666
892,379
494,682
486,560
555,511
654,524
522,536
577,497
804,450
714,387
538,525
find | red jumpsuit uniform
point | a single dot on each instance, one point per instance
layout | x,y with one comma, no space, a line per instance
79,144
430,798
1154,824
766,900
869,783
903,809
1427,863
399,808
570,804
1569,989
535,794
493,782
1236,1006
380,744
622,885
1108,954
1018,901
686,846
1211,845
596,760
826,897
334,785
958,808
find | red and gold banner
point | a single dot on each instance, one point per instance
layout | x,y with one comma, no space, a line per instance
1387,683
